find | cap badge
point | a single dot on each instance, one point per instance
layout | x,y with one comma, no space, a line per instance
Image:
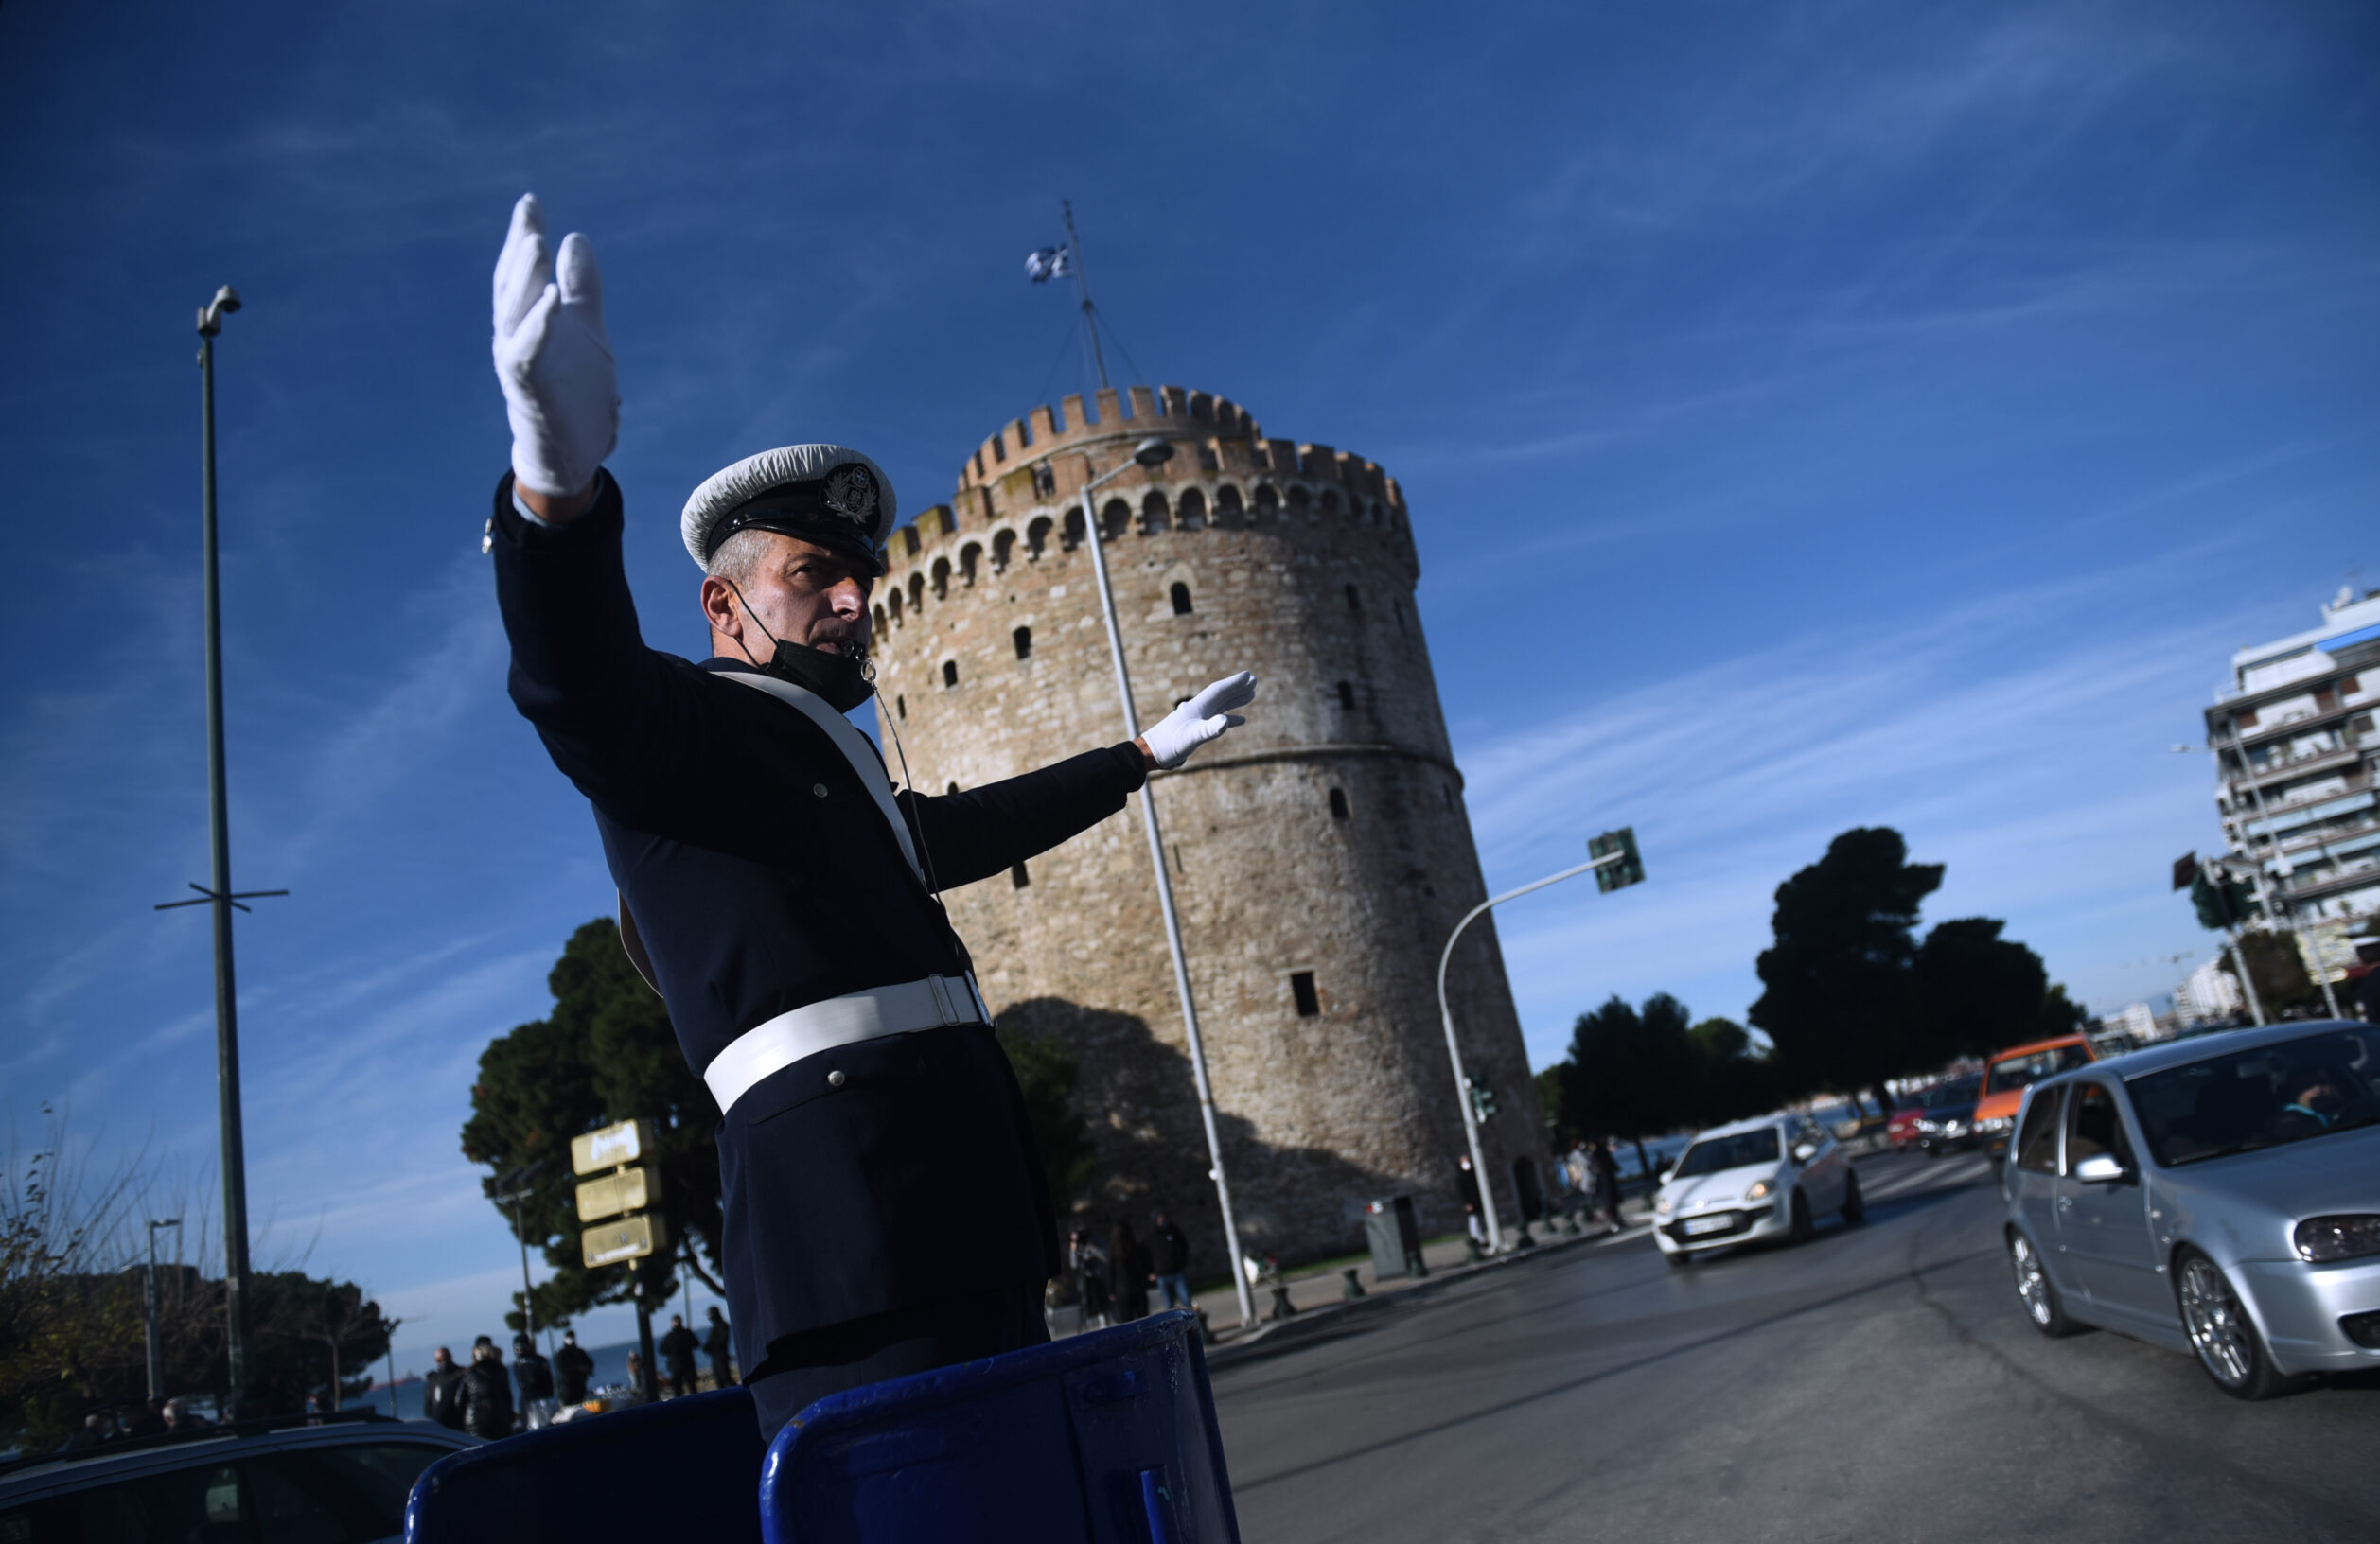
852,493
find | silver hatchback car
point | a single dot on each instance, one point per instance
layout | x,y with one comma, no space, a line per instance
2217,1196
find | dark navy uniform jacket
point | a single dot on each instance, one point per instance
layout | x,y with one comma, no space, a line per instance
763,878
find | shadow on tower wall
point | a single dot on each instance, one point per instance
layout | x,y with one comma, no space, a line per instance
1138,1096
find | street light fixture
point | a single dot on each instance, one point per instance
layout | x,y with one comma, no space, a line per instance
1149,454
148,1312
1454,1051
217,892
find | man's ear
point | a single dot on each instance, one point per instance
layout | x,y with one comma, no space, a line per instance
719,609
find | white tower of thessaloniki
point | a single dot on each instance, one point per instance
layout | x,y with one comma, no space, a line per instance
1320,854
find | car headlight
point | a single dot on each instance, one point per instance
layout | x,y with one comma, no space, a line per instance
1953,1128
2351,1236
1929,1124
1760,1190
1997,1124
1663,1205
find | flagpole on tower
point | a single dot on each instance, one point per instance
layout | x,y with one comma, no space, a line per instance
1083,284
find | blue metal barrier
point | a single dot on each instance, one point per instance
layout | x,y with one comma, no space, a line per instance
1107,1438
681,1469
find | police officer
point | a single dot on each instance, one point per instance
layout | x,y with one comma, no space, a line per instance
884,1209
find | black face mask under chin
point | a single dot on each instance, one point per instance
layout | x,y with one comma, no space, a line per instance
843,680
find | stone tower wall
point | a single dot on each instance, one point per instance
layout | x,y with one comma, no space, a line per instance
1297,562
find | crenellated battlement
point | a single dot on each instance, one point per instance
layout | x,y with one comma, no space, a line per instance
1224,472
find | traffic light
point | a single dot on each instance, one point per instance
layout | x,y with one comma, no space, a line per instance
1629,871
2222,901
1483,1099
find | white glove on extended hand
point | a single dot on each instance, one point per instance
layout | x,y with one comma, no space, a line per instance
1201,719
552,359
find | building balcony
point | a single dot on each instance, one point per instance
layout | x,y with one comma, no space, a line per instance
2277,768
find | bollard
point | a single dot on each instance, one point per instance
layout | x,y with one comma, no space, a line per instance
1282,1307
1354,1288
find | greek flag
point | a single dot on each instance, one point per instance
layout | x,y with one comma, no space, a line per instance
1050,263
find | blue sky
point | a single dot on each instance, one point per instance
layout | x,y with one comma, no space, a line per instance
1813,416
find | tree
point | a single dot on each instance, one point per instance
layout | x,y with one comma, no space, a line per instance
1841,1002
1048,1076
335,1325
1982,993
1629,1074
2276,968
1732,1080
606,1053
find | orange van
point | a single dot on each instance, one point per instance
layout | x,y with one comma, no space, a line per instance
2009,1073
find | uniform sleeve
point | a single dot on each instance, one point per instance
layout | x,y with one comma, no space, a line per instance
978,833
618,718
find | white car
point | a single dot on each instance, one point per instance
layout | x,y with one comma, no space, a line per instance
1753,1178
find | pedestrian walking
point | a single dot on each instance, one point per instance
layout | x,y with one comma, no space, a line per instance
487,1393
775,889
1606,1170
1169,1260
1088,1261
572,1367
720,1343
442,1391
1127,1275
678,1353
533,1376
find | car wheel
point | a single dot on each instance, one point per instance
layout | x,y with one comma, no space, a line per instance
1802,1227
1854,1208
2035,1290
2221,1332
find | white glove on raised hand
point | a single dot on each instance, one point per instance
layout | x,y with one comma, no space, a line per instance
1201,719
552,359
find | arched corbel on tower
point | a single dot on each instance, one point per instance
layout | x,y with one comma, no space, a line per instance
1153,519
1003,548
1193,510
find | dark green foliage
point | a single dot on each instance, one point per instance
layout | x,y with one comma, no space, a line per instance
1841,998
1731,1078
2279,972
606,1053
1629,1074
1981,991
1049,1076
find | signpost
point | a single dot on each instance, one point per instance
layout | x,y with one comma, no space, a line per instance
626,1191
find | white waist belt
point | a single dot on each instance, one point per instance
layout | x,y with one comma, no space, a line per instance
927,1004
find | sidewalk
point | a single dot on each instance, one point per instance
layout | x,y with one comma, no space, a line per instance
1323,1285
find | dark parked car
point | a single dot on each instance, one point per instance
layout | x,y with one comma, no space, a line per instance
1948,1121
344,1482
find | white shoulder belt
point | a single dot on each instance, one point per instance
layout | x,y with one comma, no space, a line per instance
931,1003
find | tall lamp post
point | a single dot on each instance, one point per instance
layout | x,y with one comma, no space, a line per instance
1151,453
1454,1050
148,1312
218,892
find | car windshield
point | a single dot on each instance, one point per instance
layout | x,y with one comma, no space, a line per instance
2322,1083
1713,1154
2025,1071
1957,1091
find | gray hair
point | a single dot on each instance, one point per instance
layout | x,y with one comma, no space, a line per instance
739,557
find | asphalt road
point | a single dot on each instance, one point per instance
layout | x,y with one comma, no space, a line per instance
1879,1382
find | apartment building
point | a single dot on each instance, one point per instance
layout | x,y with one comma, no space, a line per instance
2293,735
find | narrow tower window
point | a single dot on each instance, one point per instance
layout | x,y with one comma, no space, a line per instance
1018,878
1338,804
1301,992
1181,600
1354,600
1024,640
901,706
1347,689
950,677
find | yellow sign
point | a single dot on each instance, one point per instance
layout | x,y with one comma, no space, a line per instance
623,1143
623,1239
624,1190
